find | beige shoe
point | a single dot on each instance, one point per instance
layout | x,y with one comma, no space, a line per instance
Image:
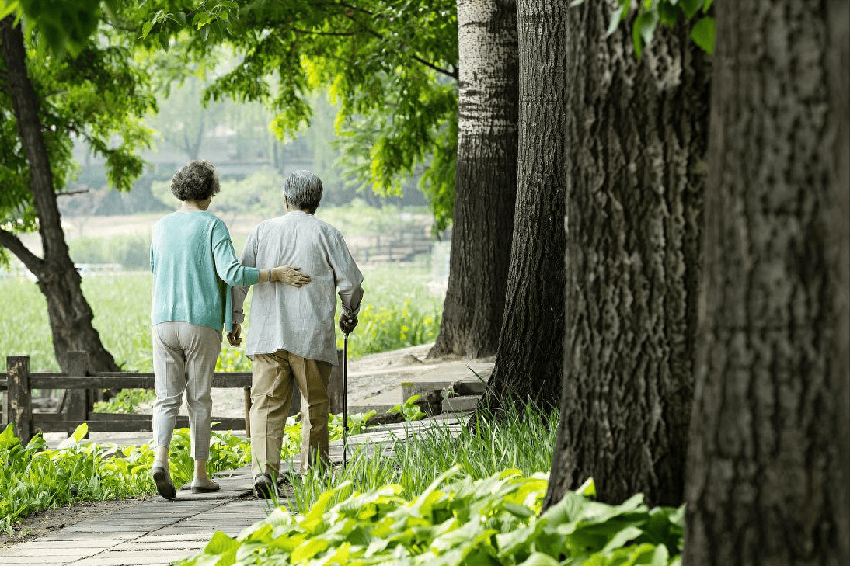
204,486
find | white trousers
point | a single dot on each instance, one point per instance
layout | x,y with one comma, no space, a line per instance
184,356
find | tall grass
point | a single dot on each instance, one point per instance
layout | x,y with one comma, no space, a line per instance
397,311
521,439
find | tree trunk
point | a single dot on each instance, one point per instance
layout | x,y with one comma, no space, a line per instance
485,179
636,141
528,367
768,468
69,313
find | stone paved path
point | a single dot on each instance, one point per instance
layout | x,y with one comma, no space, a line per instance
160,532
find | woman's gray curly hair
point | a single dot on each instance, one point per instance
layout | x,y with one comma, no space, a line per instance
303,190
196,181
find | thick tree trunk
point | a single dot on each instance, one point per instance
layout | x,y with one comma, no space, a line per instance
529,360
768,458
636,140
69,313
485,179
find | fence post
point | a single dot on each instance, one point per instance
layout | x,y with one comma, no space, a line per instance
78,403
19,407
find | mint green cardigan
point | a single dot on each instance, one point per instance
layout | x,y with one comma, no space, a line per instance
194,266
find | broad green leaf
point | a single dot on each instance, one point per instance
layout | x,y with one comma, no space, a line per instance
703,34
539,559
220,543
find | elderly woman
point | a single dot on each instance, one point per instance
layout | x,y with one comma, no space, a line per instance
194,266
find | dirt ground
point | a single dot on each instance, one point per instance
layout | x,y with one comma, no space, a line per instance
368,376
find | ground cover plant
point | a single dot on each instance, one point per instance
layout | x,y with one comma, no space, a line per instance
452,496
458,521
34,477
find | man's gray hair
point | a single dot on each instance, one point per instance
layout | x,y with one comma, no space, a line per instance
303,190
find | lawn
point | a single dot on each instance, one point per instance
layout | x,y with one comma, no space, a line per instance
397,311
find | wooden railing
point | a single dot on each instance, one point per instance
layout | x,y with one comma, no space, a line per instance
18,383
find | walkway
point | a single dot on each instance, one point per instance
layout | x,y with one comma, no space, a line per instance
160,532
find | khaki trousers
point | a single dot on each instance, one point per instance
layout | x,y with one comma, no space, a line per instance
271,396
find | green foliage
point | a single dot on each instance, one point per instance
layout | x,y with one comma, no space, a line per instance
391,328
651,13
95,90
126,401
34,477
63,26
391,67
457,521
409,410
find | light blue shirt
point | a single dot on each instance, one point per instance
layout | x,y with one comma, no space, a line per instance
300,320
193,264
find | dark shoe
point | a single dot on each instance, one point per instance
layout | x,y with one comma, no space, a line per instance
264,487
205,486
162,479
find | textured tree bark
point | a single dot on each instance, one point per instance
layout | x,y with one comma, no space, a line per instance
768,458
636,143
529,360
69,313
485,179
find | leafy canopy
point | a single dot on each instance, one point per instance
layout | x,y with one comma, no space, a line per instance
90,88
391,66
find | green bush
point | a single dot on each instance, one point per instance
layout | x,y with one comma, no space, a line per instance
125,402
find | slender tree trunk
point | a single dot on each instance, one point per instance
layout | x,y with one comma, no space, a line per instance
485,180
636,140
529,360
69,313
768,467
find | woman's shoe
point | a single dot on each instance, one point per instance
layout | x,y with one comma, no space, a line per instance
162,479
204,486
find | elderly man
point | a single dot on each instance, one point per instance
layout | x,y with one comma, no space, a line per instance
291,338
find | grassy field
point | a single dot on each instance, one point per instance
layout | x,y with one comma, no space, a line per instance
397,311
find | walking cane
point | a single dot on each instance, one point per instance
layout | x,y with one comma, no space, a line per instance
345,401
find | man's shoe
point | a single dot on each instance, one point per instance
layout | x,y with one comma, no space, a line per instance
264,487
162,479
204,486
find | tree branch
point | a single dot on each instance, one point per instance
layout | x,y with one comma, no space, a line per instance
14,244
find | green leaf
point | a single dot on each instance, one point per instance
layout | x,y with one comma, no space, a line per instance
703,34
146,29
7,8
668,14
540,559
691,7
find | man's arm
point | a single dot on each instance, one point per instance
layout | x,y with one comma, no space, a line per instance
248,258
348,279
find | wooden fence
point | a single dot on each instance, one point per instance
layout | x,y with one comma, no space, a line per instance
18,383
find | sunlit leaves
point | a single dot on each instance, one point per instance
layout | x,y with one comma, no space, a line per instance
390,67
457,521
